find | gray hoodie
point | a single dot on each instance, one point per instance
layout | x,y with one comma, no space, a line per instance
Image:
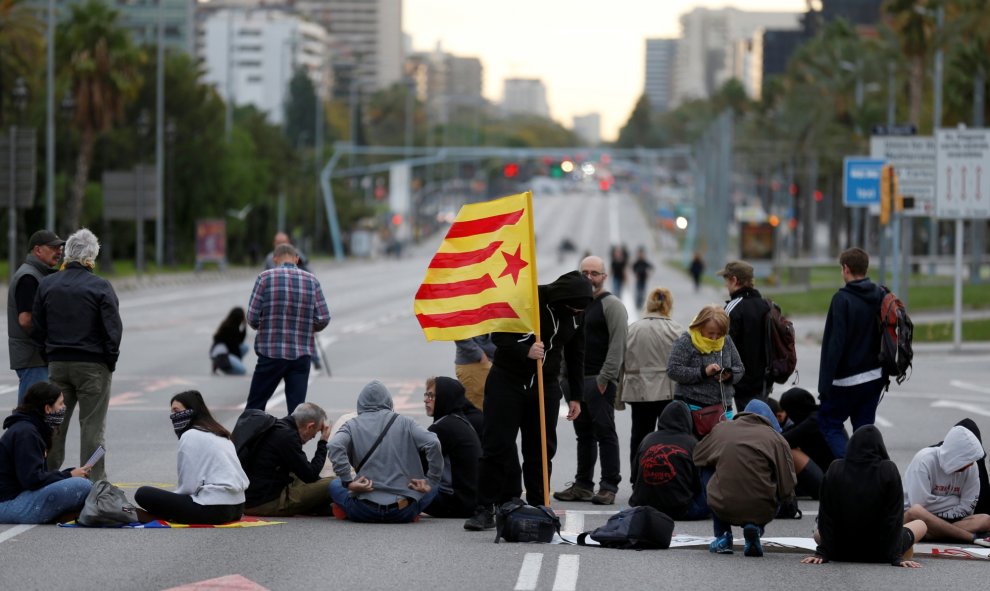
933,479
397,459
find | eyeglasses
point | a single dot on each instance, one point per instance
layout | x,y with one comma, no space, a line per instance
592,273
429,395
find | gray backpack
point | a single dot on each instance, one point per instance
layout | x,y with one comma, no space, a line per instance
106,505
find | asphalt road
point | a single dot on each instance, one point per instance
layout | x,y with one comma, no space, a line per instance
373,335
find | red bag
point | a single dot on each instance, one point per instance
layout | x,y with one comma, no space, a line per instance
706,418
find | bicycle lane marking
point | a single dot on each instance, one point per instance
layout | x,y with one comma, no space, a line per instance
14,531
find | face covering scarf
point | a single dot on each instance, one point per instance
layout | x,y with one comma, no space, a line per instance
181,420
54,419
704,344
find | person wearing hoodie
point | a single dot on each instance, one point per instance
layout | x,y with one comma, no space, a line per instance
747,472
511,397
860,517
983,503
747,310
664,474
850,379
383,482
444,399
811,453
941,487
29,491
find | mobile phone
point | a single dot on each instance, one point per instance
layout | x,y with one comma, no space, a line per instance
726,372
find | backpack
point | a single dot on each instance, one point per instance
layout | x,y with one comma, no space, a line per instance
515,521
896,335
250,426
635,528
781,345
106,505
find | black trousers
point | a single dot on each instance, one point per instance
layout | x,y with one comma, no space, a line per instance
645,420
169,506
511,408
596,436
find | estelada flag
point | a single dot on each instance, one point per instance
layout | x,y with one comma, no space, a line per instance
483,277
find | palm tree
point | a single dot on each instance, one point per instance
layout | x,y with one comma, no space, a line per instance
101,63
912,23
21,44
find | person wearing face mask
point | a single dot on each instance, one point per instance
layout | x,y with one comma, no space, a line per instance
211,481
705,363
29,491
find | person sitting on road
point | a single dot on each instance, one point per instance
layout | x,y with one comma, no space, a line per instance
784,422
387,483
941,487
283,481
705,363
860,517
29,492
461,446
664,474
747,472
211,480
811,453
228,344
983,502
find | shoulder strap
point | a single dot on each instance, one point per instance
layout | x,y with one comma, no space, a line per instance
377,442
582,538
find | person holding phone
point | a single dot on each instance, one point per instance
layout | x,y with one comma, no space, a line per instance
29,491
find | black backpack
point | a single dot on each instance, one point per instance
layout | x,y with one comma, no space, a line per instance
781,346
515,521
635,528
248,430
896,337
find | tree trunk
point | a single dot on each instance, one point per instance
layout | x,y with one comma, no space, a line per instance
916,89
73,213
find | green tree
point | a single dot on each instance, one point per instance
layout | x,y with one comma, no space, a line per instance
914,28
637,132
21,45
101,64
300,110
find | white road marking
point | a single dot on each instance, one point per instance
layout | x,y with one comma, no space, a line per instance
967,386
969,408
574,522
14,531
567,572
529,573
8,389
882,422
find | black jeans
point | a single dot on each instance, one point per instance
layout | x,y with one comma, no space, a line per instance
511,407
595,430
169,506
645,419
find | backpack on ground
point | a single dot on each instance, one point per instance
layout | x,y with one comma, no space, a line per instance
515,521
106,505
635,528
250,426
781,346
896,336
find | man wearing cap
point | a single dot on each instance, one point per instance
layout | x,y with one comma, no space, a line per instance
747,312
44,252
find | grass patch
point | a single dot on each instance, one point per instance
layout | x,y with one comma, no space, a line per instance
941,332
934,297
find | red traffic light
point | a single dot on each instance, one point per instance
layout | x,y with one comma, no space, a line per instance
818,196
511,170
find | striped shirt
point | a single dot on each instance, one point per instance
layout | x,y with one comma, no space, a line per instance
286,307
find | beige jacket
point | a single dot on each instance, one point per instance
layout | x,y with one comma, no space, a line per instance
644,371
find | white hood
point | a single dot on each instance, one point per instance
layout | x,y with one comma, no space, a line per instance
960,448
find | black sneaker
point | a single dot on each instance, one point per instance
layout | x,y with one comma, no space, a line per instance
483,518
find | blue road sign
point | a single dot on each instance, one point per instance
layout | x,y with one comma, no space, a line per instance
861,181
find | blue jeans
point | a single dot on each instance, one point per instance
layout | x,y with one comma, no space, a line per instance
857,403
30,376
269,371
360,512
236,364
46,503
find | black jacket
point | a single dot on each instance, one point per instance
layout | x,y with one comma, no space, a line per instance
461,449
664,474
748,328
561,331
22,455
851,341
76,317
804,433
278,455
861,512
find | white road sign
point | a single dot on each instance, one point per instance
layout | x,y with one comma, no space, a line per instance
962,188
913,159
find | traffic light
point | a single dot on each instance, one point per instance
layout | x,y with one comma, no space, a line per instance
555,171
510,170
819,196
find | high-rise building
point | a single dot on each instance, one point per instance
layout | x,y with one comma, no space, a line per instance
251,55
525,96
447,84
589,128
661,55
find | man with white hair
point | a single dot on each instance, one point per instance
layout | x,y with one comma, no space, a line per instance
76,319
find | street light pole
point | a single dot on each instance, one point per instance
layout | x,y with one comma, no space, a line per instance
143,125
19,95
160,140
50,122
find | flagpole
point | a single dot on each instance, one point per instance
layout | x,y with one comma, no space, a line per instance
539,362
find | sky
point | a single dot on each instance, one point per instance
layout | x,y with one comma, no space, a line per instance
590,54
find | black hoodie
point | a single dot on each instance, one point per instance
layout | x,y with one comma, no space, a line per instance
22,455
851,341
861,513
461,450
804,433
983,501
664,475
453,400
561,331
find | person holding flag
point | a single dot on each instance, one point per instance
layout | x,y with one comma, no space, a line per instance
483,280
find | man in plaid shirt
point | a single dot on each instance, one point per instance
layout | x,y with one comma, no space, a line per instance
286,307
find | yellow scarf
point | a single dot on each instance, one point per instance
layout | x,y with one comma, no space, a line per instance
704,344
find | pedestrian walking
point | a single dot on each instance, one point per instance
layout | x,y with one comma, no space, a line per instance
641,268
747,312
696,269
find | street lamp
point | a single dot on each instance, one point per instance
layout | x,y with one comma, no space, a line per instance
144,124
20,96
170,133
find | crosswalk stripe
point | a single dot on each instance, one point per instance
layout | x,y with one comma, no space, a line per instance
529,573
567,572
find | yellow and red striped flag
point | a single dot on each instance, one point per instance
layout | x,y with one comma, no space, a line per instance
483,277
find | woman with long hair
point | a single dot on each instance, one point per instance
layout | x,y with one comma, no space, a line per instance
228,347
29,491
211,480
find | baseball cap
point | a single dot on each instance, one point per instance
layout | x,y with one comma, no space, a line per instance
739,269
44,238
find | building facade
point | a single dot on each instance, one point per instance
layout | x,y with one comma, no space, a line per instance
661,57
589,128
525,96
